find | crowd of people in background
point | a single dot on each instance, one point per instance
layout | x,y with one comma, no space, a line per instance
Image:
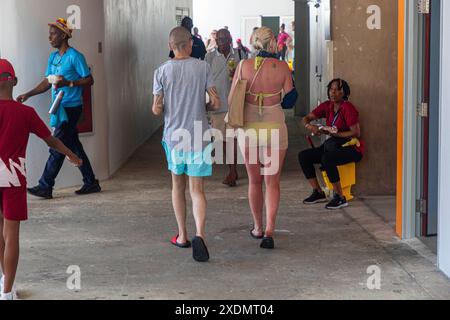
286,43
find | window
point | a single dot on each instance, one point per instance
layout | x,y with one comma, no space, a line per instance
181,13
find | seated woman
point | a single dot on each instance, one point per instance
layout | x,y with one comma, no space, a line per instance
270,88
342,125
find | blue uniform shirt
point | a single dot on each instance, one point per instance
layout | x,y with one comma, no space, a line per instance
73,67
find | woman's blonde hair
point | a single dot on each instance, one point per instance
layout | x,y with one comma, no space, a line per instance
264,39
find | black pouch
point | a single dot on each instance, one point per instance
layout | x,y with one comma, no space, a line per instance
334,144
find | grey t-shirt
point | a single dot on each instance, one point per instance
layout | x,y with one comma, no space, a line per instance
184,84
221,74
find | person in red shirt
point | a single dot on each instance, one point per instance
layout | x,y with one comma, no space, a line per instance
283,39
342,125
16,123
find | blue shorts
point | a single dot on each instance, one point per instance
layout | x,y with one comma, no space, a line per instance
192,164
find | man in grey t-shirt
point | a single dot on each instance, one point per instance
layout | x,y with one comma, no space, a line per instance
180,87
224,61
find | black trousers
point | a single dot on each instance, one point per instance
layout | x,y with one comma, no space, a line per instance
282,54
329,161
68,134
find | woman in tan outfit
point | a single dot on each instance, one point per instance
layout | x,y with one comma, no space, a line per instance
265,127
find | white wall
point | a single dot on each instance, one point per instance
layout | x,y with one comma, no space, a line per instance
137,34
24,41
215,14
444,152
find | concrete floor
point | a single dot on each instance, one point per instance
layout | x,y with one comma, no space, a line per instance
120,241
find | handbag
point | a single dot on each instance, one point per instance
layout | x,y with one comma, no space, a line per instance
235,116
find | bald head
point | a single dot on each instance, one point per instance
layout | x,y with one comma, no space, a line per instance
224,41
224,33
180,39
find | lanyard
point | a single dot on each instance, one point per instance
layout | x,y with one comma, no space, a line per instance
336,117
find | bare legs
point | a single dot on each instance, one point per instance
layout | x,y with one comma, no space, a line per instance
271,199
9,251
179,205
197,188
256,197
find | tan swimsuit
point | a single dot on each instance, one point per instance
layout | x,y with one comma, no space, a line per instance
262,123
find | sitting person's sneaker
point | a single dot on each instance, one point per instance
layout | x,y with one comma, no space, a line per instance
88,189
338,202
41,193
316,197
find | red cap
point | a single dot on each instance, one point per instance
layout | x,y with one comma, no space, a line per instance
6,67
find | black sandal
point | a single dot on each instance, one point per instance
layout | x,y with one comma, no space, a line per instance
200,251
268,243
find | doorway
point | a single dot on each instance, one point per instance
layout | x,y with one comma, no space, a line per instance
313,54
321,63
428,124
272,23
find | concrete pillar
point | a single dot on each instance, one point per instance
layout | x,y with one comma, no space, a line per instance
302,56
364,34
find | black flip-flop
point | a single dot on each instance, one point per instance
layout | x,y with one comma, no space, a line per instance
174,241
256,237
268,243
200,251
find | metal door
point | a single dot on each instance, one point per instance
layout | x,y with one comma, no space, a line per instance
428,113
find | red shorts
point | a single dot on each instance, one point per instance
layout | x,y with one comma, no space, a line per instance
13,203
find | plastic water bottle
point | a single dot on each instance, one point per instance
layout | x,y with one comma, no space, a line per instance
56,103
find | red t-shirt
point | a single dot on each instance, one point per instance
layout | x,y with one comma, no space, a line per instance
16,123
348,117
282,39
